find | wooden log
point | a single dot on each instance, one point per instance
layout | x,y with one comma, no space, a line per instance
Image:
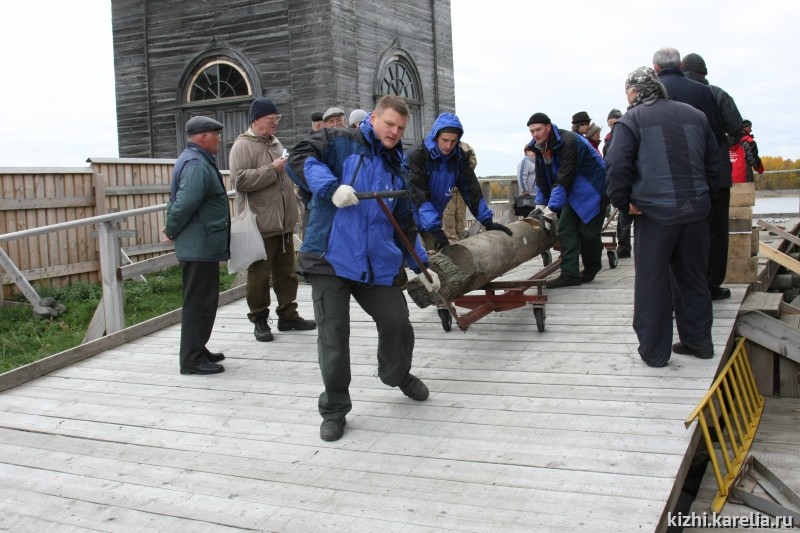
471,263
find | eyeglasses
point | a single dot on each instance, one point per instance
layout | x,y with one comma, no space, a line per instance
274,118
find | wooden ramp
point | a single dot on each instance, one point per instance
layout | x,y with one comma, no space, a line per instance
565,430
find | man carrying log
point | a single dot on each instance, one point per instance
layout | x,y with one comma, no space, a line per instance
351,251
570,192
438,167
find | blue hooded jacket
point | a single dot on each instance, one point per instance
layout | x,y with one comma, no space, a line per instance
434,176
357,242
573,172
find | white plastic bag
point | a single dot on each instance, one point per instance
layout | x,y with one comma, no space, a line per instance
247,245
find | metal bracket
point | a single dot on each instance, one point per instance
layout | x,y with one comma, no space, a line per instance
772,485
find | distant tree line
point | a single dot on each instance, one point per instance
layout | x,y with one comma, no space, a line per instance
780,174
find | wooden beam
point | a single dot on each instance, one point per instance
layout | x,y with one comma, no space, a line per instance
39,368
113,289
54,271
24,204
779,257
770,333
19,280
137,189
149,265
794,239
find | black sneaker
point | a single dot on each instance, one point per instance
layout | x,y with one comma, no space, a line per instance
296,323
414,388
262,331
682,349
562,281
332,429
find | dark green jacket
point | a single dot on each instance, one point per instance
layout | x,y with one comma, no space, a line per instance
198,219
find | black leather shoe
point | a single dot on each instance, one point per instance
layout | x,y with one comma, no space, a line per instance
332,429
414,388
204,368
562,281
720,293
297,323
215,357
682,349
587,277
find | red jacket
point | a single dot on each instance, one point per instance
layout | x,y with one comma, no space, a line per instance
744,159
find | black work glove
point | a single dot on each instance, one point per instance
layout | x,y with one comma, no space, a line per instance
497,227
440,239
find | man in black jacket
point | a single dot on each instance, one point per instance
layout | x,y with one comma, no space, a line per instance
665,179
667,62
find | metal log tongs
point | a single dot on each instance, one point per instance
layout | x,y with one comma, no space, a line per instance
378,196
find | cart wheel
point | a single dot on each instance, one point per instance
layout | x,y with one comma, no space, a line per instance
547,257
538,314
612,258
447,319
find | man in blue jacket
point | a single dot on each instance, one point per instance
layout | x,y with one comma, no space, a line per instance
351,250
198,220
438,167
570,193
663,170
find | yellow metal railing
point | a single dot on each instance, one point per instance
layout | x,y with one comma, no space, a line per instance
733,407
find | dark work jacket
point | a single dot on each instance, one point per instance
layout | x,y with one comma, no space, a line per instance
730,119
435,175
198,218
700,96
665,161
356,242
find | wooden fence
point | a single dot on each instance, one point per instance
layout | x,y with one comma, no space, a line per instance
37,197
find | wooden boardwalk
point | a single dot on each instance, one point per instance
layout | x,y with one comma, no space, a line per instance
565,430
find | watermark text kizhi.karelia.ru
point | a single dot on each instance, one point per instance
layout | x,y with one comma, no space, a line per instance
715,520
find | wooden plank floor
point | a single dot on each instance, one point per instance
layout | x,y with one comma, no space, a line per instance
564,430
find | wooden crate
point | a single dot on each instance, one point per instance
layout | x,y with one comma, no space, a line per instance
743,194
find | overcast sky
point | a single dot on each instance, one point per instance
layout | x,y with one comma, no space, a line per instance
512,58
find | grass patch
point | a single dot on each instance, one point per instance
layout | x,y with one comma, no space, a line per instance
25,338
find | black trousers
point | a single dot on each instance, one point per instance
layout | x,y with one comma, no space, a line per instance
388,308
624,221
671,263
718,225
200,301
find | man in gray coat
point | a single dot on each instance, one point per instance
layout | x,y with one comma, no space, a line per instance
198,221
663,170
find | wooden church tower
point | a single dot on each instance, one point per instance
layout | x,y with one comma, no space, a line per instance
175,59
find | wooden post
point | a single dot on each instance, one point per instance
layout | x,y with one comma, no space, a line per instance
113,289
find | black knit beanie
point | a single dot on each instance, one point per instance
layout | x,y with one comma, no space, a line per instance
694,63
262,106
538,118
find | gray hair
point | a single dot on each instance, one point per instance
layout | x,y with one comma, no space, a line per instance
667,57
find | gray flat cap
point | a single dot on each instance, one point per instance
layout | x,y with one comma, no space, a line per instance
201,125
332,111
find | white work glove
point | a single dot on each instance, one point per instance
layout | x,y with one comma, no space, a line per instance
540,207
547,212
432,285
344,196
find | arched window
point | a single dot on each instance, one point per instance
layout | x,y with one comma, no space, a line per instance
219,83
398,75
398,80
218,79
